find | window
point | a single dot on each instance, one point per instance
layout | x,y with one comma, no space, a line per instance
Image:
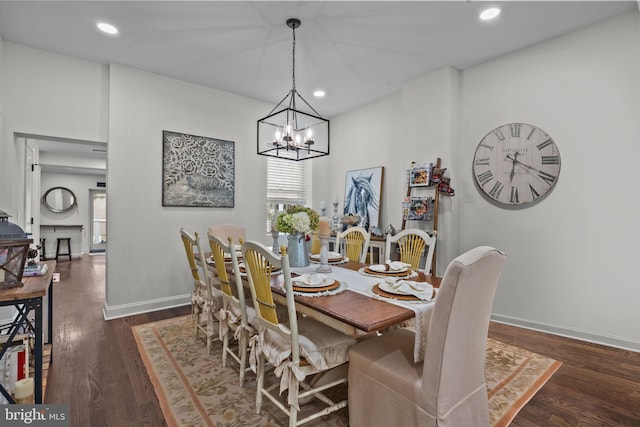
286,186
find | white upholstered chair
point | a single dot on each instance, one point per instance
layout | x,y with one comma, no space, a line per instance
205,300
224,231
235,317
353,243
296,348
448,389
412,244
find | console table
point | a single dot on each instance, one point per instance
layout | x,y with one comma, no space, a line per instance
25,299
62,226
59,230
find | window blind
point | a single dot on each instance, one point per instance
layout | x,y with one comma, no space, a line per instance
285,181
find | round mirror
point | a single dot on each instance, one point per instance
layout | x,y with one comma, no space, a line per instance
59,199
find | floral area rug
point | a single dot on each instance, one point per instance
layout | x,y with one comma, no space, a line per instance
195,390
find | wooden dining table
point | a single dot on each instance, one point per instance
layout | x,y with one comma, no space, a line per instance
350,312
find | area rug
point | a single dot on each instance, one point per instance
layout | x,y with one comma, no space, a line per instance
195,390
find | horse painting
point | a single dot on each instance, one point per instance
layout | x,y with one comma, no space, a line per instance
362,196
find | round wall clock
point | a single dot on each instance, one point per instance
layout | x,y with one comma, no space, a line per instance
516,164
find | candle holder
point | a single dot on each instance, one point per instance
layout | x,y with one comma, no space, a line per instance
324,255
324,211
335,223
275,234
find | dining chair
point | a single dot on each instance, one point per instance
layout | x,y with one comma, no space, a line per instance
448,388
223,231
205,299
353,243
316,244
412,244
234,315
297,348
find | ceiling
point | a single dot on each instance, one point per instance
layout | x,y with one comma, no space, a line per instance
355,51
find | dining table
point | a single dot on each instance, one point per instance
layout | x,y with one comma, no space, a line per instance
355,308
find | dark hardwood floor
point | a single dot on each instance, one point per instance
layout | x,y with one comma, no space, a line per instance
97,370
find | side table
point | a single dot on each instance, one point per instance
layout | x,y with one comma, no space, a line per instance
25,299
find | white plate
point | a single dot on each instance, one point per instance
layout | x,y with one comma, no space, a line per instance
380,268
227,256
331,256
242,266
388,287
325,282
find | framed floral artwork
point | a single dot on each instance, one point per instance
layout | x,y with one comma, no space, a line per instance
419,177
197,171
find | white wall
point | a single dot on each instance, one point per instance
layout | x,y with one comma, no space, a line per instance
570,263
146,263
44,93
417,124
571,259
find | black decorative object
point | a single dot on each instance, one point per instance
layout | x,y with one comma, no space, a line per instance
293,131
14,246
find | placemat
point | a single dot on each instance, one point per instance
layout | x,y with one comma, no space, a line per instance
304,289
376,290
243,269
317,259
406,273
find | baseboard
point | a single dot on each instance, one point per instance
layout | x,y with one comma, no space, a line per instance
578,334
124,310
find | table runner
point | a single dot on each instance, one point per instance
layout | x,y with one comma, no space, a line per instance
362,284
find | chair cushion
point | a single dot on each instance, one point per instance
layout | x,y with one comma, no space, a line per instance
322,346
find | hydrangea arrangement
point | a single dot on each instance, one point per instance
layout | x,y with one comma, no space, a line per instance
298,219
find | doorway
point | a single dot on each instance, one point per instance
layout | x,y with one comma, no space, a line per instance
98,221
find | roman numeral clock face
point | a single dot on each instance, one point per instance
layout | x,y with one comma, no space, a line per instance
516,164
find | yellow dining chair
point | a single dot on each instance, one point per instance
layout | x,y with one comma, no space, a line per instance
447,389
412,244
235,316
205,300
353,243
297,348
316,244
224,231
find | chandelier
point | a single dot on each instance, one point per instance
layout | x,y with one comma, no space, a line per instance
288,131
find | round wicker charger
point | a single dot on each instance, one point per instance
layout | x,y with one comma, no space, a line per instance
317,259
243,269
376,290
389,273
334,285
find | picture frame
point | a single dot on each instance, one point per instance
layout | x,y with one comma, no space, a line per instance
363,195
420,209
197,171
419,177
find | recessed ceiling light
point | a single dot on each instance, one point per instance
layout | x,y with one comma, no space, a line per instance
490,13
319,93
107,28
